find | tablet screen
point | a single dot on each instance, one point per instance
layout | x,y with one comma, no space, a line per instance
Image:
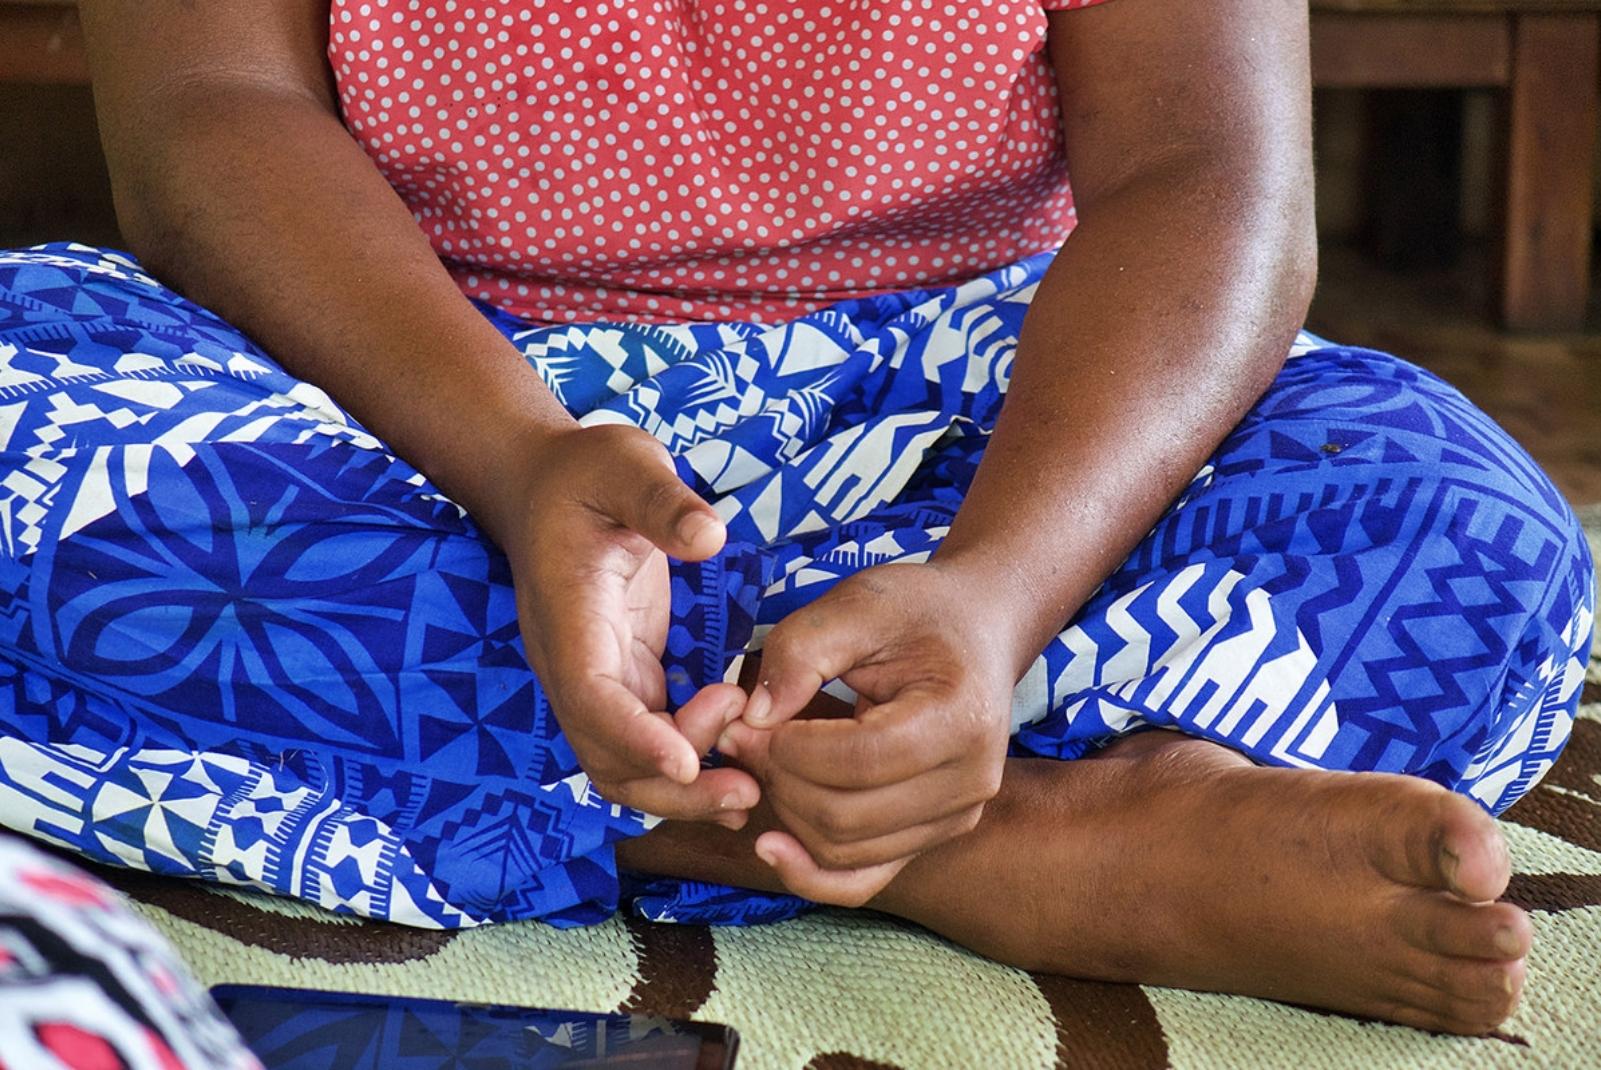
301,1029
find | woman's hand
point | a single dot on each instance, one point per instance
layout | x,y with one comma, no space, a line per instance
859,796
594,517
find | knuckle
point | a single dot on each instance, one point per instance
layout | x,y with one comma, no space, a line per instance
837,856
836,824
989,784
782,643
662,496
976,727
602,766
865,751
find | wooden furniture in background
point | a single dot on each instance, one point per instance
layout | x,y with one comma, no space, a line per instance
1540,54
40,42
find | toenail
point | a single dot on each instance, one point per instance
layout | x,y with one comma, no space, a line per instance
1507,942
1449,864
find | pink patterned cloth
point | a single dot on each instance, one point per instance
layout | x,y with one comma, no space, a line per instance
86,984
663,160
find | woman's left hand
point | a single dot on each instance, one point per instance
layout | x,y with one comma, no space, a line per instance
860,796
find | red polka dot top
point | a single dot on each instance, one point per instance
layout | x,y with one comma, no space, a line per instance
676,160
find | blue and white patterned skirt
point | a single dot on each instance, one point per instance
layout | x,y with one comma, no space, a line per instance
242,641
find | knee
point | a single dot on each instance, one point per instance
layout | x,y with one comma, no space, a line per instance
1468,577
1545,639
71,312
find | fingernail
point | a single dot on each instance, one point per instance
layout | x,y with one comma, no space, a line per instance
1506,983
733,822
1507,942
760,706
725,744
766,854
685,771
730,802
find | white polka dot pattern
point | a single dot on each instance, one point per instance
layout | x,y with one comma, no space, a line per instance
663,160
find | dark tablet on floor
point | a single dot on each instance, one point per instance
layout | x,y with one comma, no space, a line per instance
303,1029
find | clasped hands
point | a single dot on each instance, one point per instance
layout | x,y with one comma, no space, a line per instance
857,797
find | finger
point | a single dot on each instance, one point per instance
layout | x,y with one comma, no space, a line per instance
717,794
885,744
710,710
660,506
900,844
746,745
804,651
619,738
802,875
607,722
843,817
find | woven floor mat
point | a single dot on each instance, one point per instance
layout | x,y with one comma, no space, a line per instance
839,989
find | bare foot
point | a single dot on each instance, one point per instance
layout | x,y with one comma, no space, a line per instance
1171,861
1175,862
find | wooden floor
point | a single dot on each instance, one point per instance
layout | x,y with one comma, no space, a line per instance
1544,389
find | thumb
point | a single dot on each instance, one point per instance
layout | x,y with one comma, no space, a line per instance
804,651
657,504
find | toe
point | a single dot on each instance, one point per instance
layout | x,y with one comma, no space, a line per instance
1475,856
1469,990
1438,839
1444,925
1460,996
1433,1021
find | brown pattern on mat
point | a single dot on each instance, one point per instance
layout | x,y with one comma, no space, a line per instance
844,1060
1100,1025
335,940
1581,759
677,969
1567,803
1554,892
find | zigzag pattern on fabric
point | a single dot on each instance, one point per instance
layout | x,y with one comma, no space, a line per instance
242,641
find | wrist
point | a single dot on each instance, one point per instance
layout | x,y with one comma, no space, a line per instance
501,497
1006,601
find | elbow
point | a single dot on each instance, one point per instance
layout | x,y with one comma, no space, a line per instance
148,190
1300,260
139,211
1289,268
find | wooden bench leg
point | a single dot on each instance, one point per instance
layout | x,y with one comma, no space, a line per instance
1552,117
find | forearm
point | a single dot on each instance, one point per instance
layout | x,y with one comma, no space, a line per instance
258,204
1161,321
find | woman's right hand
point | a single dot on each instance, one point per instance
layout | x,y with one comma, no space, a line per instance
588,525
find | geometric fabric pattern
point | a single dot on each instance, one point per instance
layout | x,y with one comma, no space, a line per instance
240,640
850,988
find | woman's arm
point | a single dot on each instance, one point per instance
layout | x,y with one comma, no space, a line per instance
1168,311
1161,320
236,181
